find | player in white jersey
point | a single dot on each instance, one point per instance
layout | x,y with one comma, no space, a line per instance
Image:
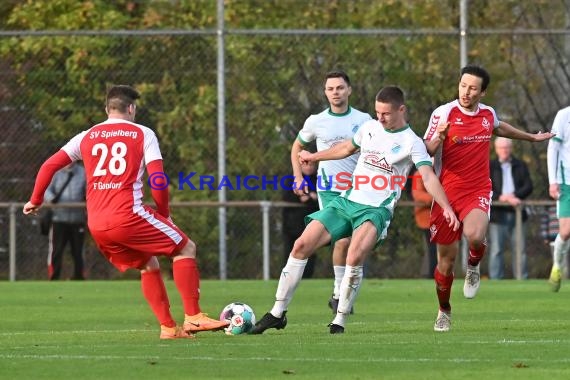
129,234
558,159
337,123
388,149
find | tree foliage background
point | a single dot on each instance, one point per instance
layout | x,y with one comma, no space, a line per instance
59,56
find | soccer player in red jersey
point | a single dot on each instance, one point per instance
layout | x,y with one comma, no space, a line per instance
128,233
458,136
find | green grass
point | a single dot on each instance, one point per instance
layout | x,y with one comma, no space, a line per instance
95,330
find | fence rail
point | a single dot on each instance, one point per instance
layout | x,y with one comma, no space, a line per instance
265,207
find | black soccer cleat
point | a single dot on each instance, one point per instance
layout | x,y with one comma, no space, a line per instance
269,322
333,304
336,329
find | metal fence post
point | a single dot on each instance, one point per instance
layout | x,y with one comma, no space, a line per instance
265,208
12,248
519,237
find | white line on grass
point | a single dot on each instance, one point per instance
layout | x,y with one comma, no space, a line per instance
263,359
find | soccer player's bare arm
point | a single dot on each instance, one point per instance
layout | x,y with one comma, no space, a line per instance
434,143
296,165
342,150
506,130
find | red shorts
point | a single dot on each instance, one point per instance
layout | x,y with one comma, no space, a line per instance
439,228
133,243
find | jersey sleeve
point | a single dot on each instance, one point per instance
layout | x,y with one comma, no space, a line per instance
307,134
495,118
151,148
56,162
73,147
357,138
419,154
558,126
554,146
438,116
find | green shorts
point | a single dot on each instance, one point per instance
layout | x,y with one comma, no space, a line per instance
563,203
342,216
326,197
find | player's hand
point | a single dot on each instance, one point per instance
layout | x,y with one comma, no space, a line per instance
30,208
442,130
554,191
300,186
451,218
305,157
542,136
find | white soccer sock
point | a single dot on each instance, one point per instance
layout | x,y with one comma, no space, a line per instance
291,275
338,275
348,291
560,249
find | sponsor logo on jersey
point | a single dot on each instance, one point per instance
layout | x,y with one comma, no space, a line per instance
396,148
375,163
456,140
458,121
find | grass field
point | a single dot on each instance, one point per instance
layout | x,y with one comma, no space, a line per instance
104,330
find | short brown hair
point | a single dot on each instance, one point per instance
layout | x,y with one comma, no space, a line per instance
392,95
120,97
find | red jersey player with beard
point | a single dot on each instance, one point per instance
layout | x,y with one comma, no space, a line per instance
459,136
128,233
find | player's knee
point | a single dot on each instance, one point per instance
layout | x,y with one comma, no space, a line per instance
301,249
342,245
151,265
189,250
475,238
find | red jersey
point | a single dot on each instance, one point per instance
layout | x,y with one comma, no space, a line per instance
462,161
114,154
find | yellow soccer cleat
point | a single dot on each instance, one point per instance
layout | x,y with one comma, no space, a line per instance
555,279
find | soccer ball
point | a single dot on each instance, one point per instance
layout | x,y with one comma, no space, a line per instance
240,316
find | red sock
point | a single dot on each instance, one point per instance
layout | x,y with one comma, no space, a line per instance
475,255
154,291
187,280
443,288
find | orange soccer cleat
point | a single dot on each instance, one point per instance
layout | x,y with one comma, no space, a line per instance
201,322
175,332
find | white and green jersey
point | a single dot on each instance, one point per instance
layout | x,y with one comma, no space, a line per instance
558,157
386,158
329,129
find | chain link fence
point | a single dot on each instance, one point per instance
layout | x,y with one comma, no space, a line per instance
52,85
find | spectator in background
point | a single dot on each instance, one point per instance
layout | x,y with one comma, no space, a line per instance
68,223
511,184
294,217
422,209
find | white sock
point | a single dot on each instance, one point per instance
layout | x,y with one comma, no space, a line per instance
291,275
560,249
348,291
338,275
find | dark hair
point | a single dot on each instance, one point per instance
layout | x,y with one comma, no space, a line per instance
479,72
120,97
338,74
392,95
